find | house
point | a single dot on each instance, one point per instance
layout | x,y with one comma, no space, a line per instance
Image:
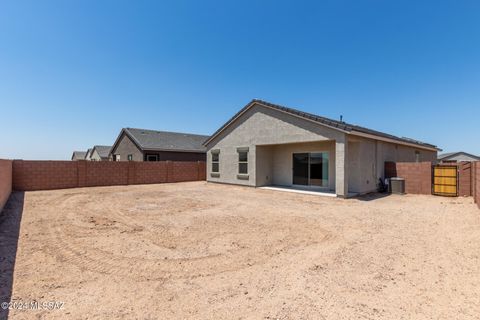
150,145
265,144
88,155
460,156
100,153
78,155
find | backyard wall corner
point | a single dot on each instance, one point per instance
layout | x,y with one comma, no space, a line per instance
417,175
5,181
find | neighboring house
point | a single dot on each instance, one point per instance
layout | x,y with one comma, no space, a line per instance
150,145
100,153
78,155
88,155
454,157
267,144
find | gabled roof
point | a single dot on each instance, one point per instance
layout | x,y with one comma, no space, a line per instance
88,154
77,155
103,151
153,140
334,124
454,154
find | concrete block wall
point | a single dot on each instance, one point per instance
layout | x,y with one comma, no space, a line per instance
476,182
150,172
418,176
44,175
106,173
5,181
49,175
465,178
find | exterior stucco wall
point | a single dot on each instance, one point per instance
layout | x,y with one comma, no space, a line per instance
367,157
125,147
257,128
95,156
362,165
264,165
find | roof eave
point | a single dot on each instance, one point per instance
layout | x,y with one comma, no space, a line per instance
173,150
380,138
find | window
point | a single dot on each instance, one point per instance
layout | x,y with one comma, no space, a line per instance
130,157
242,160
116,157
216,161
417,156
152,157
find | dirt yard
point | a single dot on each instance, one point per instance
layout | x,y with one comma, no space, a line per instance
208,251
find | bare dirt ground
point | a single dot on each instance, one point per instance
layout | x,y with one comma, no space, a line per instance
208,251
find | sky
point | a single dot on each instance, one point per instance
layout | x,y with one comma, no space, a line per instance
73,73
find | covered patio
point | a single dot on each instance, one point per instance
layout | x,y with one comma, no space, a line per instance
317,166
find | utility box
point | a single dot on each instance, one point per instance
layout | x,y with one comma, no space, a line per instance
396,186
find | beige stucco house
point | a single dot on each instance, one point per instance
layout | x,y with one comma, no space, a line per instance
100,153
270,145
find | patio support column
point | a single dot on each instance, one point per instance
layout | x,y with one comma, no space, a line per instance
341,167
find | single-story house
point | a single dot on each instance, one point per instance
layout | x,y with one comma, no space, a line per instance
100,153
78,155
150,145
460,156
265,144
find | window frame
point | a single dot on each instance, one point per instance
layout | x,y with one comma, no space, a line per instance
130,157
151,155
241,162
215,162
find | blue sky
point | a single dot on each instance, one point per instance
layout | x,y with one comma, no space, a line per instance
73,73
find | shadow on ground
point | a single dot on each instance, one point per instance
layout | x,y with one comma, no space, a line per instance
372,196
10,219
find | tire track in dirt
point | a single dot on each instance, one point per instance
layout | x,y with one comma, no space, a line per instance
72,250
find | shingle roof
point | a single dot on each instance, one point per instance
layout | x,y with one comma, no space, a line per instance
446,155
450,154
103,151
322,120
78,155
88,153
164,140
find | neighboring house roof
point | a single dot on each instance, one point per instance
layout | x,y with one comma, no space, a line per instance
78,155
445,156
103,151
338,125
153,140
88,154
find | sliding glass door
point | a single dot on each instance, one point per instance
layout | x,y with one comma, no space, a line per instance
310,169
300,169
